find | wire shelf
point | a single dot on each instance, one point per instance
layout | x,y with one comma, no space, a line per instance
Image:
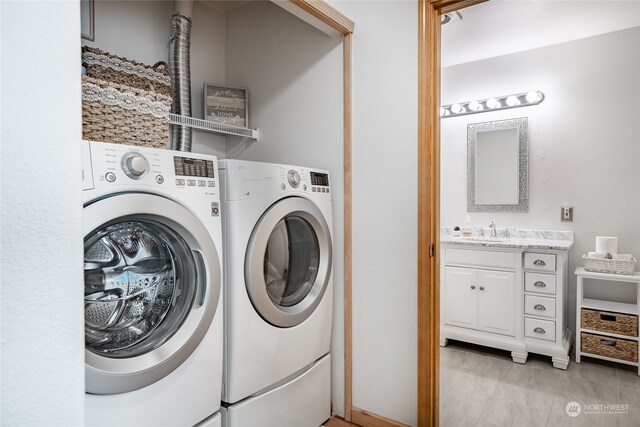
213,127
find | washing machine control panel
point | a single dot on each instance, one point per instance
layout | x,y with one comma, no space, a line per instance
116,164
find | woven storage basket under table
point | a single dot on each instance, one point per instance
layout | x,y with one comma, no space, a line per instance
117,69
604,321
616,348
121,114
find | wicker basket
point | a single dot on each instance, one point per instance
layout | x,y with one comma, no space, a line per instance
604,321
121,114
602,265
616,348
116,69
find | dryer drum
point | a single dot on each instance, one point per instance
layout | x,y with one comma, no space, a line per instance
291,261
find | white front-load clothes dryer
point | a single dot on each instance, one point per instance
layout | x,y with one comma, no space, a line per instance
152,287
277,226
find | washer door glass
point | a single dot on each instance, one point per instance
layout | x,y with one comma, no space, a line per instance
152,283
291,261
135,293
288,261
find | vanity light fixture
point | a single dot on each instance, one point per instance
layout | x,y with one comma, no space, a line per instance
512,101
457,109
534,96
525,99
493,103
475,106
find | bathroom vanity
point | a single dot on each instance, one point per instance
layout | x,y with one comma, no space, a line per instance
507,292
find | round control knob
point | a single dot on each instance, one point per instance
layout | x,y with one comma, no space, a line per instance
294,178
134,165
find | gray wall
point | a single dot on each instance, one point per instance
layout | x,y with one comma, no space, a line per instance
584,140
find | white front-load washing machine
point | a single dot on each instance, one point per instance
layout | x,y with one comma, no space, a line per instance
277,226
152,287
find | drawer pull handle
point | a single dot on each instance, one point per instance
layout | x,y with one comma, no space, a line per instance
608,343
539,307
473,286
608,317
539,331
539,262
482,288
540,284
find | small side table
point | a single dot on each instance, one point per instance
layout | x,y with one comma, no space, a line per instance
597,304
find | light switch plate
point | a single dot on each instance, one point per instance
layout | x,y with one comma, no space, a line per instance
566,214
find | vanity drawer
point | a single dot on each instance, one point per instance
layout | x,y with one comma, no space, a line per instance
540,329
488,259
540,283
541,262
540,306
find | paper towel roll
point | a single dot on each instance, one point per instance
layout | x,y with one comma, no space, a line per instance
606,245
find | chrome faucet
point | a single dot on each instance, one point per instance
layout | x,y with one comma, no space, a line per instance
494,233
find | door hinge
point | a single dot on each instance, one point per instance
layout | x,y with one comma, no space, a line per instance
432,250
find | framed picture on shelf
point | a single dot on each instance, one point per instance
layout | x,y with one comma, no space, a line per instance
225,105
87,20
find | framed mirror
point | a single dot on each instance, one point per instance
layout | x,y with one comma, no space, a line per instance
497,166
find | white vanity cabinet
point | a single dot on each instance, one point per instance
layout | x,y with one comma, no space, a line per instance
510,297
545,305
481,299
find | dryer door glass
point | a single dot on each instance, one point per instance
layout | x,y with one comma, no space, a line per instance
288,261
291,261
135,296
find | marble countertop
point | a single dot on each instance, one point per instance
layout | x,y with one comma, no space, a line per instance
520,239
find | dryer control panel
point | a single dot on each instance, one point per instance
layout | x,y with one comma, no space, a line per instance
252,179
116,164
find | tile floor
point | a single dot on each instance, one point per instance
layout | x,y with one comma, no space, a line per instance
480,386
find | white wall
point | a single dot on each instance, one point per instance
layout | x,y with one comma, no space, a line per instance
140,31
584,139
385,123
42,318
294,80
501,27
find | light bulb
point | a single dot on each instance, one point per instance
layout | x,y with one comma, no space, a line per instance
512,101
457,108
534,96
443,112
493,103
475,106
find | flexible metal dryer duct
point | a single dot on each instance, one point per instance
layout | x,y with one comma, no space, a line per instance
180,68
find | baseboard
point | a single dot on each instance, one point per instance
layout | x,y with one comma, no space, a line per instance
369,419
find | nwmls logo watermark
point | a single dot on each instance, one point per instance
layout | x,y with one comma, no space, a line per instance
574,409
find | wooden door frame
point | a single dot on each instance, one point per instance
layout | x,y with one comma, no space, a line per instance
429,12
